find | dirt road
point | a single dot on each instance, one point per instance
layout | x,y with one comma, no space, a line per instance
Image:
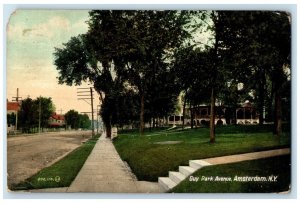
26,155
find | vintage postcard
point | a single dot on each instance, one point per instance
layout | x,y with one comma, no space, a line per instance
148,101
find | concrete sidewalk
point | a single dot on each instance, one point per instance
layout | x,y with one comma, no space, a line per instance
104,171
247,156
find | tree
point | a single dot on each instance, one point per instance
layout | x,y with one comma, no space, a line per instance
84,121
11,119
217,71
126,106
141,45
142,40
259,45
193,68
77,62
72,118
109,107
162,96
28,115
46,108
246,47
33,112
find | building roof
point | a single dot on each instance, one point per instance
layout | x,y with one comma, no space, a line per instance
58,117
247,104
13,106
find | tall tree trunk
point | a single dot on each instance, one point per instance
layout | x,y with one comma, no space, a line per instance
218,29
183,113
212,116
195,116
142,124
278,83
262,82
108,129
108,126
192,117
278,114
153,122
270,103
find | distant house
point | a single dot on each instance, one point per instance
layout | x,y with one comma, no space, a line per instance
244,114
57,121
12,108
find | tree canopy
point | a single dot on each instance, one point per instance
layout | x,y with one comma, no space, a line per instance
258,44
126,46
76,120
141,61
33,111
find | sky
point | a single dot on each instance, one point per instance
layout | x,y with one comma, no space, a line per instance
32,36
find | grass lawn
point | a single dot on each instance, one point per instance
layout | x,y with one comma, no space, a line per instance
61,173
269,167
149,160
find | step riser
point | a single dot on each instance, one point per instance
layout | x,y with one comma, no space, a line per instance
165,185
162,187
175,178
184,171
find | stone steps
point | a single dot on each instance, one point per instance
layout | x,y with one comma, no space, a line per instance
176,177
167,183
186,170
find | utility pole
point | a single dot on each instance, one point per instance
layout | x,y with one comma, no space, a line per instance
17,100
40,110
98,115
81,93
93,130
61,110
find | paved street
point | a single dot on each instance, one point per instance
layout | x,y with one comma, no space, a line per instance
26,155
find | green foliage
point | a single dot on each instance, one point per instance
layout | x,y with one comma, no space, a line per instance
11,119
143,154
47,109
28,115
76,120
72,61
194,71
261,167
246,48
127,108
33,110
72,119
138,55
85,122
257,45
140,49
